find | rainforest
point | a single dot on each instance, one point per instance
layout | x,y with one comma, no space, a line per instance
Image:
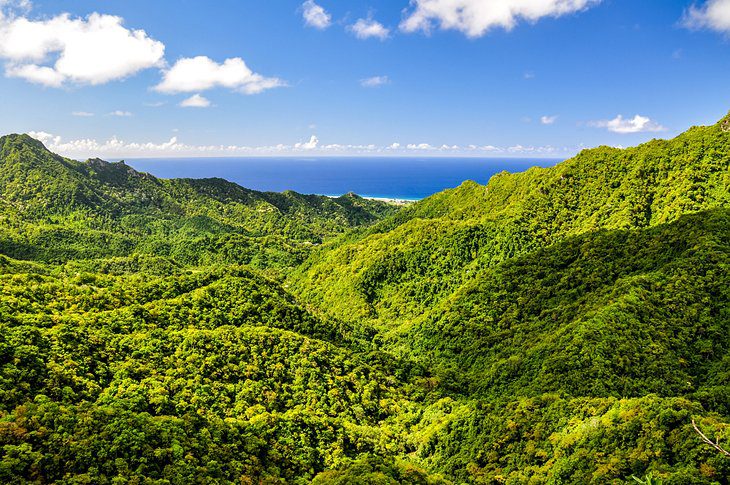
559,325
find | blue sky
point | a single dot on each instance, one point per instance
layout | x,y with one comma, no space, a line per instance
496,78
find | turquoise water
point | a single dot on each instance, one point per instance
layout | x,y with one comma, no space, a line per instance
397,178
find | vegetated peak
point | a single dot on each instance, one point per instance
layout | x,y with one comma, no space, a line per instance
115,173
605,178
97,164
468,184
16,141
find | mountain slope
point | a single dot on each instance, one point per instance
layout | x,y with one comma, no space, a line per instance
71,210
403,264
610,313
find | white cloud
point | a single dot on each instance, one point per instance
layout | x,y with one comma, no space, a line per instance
350,149
202,73
369,28
47,76
195,101
427,147
548,120
113,146
310,145
83,114
713,14
420,146
476,17
61,50
485,148
121,114
637,124
46,138
375,81
22,5
118,148
315,16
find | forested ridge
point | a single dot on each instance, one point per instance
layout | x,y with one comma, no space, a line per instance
560,325
56,210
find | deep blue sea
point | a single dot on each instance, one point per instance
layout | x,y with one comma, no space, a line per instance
397,178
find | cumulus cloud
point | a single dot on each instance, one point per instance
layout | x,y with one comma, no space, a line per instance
46,138
82,114
637,124
310,145
118,148
120,113
368,29
201,73
476,17
113,146
63,49
713,15
47,76
315,16
548,120
375,81
195,101
420,146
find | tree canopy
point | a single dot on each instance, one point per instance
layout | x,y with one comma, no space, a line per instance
560,325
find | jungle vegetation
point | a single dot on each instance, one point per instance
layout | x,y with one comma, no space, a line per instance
560,325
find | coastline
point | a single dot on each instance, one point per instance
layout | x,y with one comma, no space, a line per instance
394,201
388,200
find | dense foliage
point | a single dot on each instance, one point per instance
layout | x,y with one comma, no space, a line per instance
55,210
402,265
561,325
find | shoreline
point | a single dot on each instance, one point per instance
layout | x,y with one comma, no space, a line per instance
394,201
388,200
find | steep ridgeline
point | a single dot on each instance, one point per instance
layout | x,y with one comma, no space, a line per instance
55,209
403,265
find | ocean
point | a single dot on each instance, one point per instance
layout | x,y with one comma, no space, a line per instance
392,178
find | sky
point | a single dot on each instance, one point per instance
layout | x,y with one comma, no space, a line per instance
484,78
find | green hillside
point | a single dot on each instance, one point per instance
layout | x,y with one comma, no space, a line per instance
55,210
401,266
561,325
214,374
